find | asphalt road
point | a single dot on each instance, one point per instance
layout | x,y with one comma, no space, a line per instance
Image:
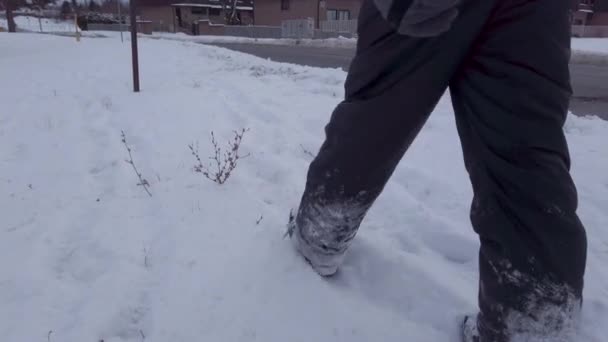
590,82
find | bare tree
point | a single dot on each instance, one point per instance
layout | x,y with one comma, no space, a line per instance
231,13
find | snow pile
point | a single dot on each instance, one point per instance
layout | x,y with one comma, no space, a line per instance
87,255
340,42
594,45
33,24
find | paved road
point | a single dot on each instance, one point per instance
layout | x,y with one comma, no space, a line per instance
589,82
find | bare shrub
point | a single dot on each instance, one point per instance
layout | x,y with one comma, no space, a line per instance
223,162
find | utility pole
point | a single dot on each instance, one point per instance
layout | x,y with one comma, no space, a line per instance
133,19
9,16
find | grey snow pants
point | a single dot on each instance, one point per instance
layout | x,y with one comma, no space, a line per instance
505,63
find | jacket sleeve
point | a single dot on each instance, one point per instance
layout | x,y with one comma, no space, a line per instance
419,18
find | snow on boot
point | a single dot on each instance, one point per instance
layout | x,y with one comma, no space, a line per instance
469,329
324,264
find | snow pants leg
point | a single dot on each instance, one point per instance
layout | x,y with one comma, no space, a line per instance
506,65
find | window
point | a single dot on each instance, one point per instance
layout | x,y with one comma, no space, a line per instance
344,15
333,14
197,10
285,5
215,12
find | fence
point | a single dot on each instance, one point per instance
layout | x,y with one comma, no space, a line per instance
44,25
340,26
108,27
253,31
590,31
303,28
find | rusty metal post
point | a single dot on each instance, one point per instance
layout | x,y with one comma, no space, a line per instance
135,59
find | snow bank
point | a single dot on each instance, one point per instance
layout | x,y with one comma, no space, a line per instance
341,42
86,254
594,45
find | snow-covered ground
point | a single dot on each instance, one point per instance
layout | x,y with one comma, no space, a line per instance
87,255
48,25
596,45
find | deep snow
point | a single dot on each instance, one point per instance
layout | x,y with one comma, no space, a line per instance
86,254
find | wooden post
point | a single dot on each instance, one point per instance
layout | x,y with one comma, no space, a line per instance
77,33
40,19
134,57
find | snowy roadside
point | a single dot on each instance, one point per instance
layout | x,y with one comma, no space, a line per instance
347,43
588,45
584,50
87,255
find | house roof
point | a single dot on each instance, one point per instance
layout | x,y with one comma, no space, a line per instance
200,3
598,5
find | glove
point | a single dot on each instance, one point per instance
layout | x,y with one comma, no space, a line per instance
419,18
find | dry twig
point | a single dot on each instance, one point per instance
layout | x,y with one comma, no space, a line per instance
142,182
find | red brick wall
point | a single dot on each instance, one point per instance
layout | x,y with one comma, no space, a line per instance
246,17
269,13
158,15
599,18
208,29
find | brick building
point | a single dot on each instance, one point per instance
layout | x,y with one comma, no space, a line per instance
272,12
183,15
590,12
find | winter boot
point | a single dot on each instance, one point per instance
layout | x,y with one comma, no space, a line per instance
324,264
469,330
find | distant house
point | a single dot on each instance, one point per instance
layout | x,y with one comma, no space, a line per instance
183,15
590,12
272,12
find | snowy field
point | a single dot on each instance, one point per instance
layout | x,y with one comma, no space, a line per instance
87,255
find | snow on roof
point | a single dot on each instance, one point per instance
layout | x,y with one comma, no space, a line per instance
245,4
242,8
